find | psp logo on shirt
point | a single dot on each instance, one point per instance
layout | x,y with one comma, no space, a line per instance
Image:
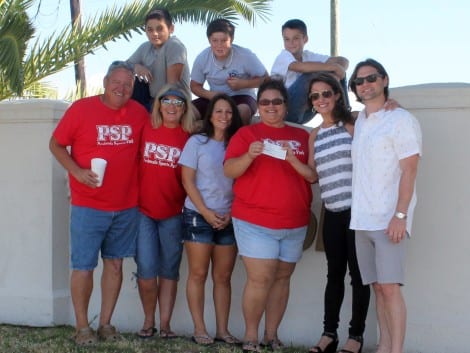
114,134
163,155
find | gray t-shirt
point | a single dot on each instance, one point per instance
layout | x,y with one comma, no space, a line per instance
242,63
207,157
157,60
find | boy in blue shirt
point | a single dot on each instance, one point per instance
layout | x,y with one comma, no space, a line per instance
296,66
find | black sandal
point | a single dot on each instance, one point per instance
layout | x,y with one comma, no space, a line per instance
273,344
330,348
359,339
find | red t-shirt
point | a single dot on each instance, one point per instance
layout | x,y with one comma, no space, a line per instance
271,193
161,190
92,130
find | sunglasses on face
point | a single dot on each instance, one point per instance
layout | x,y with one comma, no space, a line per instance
275,101
316,95
168,101
370,78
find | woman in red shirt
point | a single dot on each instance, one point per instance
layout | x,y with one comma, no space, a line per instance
271,209
161,198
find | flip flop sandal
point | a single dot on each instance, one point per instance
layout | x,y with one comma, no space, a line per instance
147,333
273,344
108,333
167,334
84,337
203,340
249,347
228,339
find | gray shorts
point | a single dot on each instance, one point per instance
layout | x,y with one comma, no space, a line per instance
380,260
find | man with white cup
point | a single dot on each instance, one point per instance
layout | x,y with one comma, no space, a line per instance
98,166
103,215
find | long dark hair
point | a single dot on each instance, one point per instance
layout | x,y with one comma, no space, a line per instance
341,110
235,124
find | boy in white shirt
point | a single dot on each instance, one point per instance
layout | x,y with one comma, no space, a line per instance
296,66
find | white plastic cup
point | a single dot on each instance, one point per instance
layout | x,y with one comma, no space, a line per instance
98,166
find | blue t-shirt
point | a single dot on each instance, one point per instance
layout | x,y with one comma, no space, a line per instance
206,156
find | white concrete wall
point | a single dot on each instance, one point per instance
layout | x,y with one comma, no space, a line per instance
33,217
34,235
438,260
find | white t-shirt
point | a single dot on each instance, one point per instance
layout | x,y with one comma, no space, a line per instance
242,63
285,58
380,142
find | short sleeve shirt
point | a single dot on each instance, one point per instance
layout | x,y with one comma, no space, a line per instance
271,193
206,157
157,60
380,141
93,130
243,64
161,191
285,58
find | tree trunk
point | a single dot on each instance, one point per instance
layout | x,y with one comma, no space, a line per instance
334,27
80,78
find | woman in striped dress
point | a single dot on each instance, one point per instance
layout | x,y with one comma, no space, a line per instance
331,147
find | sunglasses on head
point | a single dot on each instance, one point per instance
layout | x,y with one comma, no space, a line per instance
168,101
316,95
123,64
275,101
370,78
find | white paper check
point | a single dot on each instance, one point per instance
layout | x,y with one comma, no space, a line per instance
273,150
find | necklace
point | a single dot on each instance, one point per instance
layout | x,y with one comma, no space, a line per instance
225,65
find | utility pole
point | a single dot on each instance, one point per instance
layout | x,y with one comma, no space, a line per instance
80,78
334,27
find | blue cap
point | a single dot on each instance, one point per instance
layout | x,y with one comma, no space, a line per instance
173,92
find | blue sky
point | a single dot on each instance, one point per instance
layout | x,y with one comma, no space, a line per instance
419,41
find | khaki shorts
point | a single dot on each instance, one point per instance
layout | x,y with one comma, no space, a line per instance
380,260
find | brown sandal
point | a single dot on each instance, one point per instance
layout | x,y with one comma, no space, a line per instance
84,337
108,333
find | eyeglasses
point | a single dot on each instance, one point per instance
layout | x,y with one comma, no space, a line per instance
316,95
168,101
275,101
371,78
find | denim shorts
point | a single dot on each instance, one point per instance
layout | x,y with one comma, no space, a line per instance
91,231
198,230
266,243
159,247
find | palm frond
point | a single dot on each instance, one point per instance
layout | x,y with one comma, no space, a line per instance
49,56
15,32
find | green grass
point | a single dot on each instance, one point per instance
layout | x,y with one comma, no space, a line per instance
22,339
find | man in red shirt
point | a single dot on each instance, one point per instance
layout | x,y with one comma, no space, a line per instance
103,218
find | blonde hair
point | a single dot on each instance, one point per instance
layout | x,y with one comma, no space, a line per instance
188,117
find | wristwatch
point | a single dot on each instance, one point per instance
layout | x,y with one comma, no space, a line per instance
400,215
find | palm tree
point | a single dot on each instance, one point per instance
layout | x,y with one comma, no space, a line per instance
80,77
19,70
334,27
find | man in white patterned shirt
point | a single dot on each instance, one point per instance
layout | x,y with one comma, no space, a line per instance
385,153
